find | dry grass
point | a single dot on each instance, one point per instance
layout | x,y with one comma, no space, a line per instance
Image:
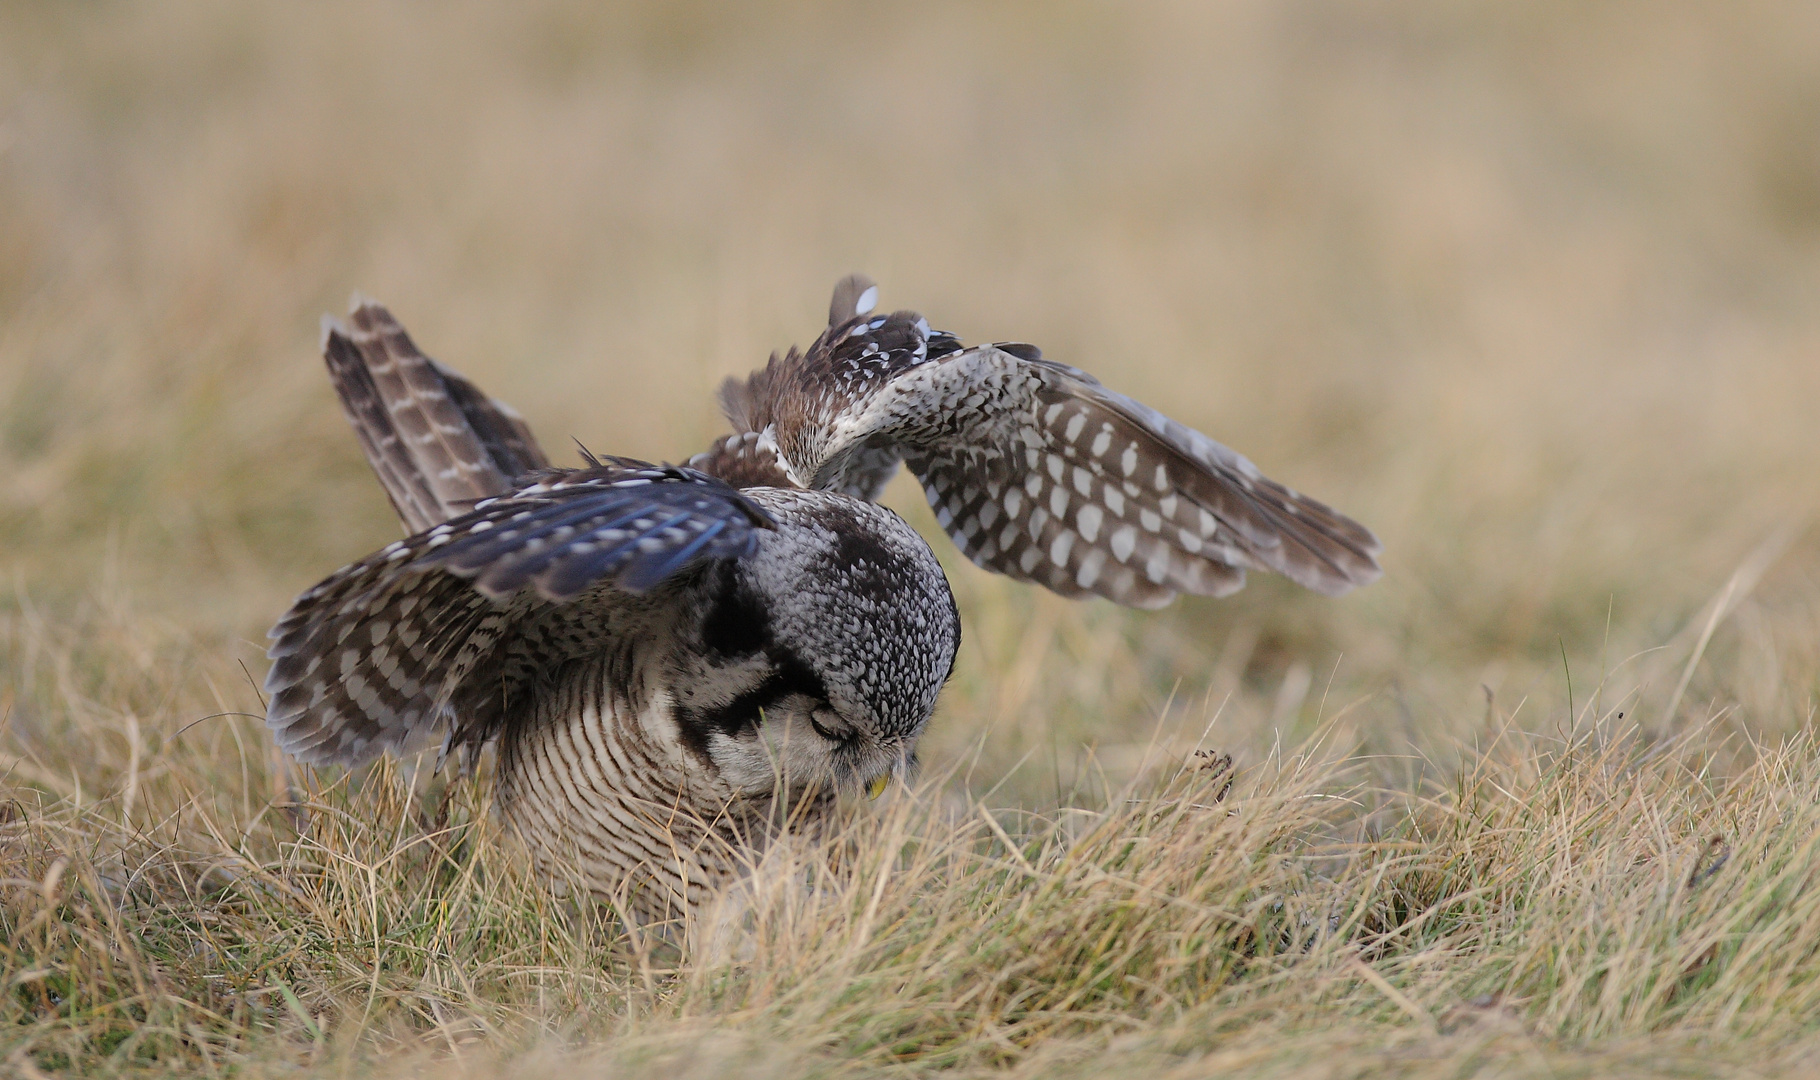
1526,287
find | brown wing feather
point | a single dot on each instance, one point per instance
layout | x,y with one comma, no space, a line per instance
436,442
743,460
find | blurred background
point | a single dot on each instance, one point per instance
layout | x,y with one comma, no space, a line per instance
1528,288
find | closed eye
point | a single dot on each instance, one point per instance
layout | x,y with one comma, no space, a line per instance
833,737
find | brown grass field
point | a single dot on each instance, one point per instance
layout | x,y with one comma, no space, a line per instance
1530,288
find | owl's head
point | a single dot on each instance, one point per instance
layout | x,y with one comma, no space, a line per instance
819,659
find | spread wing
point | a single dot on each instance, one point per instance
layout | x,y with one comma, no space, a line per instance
435,440
1038,472
1058,480
432,636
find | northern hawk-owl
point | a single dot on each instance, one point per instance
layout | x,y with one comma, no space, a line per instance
665,655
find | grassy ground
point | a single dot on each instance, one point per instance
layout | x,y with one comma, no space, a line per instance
1528,288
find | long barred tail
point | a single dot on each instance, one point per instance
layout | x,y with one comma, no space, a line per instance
436,442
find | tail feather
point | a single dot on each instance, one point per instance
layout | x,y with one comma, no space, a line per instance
435,440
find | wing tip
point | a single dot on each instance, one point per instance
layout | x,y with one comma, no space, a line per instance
1150,601
368,318
1336,580
1350,559
329,328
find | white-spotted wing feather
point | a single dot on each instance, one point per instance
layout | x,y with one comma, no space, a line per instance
1039,472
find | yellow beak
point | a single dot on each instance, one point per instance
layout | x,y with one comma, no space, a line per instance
877,787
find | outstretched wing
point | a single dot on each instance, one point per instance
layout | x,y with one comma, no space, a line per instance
1084,490
433,635
437,443
1039,472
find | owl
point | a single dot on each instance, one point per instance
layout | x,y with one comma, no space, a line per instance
678,665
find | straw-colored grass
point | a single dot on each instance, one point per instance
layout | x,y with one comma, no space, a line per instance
1528,288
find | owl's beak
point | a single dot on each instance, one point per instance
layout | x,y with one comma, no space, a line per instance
877,787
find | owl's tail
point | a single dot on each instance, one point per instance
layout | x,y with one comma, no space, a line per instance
436,442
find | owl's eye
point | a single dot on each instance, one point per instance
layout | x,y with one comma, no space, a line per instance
840,733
